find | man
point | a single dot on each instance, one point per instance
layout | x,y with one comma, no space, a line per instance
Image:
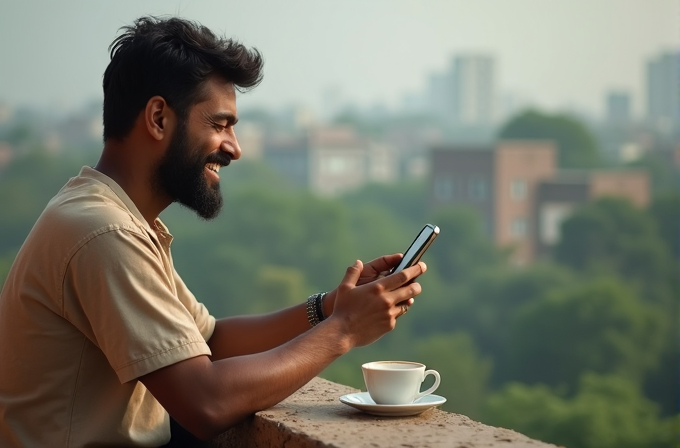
99,337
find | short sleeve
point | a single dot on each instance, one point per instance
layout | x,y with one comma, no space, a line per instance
120,291
204,320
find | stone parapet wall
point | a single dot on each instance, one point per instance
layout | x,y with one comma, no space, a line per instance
314,417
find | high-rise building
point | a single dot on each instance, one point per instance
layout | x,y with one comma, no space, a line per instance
663,90
474,90
466,94
618,108
439,94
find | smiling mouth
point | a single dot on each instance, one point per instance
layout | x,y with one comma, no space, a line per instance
214,167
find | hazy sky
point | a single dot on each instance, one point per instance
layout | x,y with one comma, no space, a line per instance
558,53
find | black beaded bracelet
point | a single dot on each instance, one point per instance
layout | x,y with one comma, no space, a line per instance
315,308
319,306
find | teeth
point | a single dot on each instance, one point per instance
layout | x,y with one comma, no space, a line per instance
213,167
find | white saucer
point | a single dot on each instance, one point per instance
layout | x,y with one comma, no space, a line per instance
364,402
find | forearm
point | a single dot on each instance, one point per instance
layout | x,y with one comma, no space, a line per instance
224,392
244,335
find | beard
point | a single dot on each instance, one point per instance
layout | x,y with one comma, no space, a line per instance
180,175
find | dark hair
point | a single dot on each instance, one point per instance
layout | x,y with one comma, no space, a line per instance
171,58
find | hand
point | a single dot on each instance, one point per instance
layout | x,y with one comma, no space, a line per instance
377,268
370,310
371,271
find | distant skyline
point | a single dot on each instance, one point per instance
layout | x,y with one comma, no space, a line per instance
557,55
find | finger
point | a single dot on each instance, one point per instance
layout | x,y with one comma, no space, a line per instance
384,263
394,281
353,273
405,294
404,307
407,302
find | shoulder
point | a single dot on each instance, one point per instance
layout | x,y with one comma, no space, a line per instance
84,206
83,210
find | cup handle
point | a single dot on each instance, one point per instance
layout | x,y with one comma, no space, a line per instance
434,386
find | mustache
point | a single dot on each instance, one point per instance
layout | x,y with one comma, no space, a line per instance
220,158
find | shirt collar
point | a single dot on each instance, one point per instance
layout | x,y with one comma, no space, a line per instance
91,173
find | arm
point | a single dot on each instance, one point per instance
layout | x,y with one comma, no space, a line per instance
209,397
241,335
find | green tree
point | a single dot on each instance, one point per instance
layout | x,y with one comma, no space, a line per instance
664,176
489,304
376,231
597,326
278,287
464,373
26,186
461,250
611,236
577,146
606,412
665,212
405,201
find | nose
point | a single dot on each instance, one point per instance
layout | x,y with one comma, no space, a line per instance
231,146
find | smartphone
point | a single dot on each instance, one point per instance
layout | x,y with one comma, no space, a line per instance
417,247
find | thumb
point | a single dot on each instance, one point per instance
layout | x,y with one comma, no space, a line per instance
353,273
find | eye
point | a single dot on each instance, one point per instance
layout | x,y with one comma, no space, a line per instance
219,127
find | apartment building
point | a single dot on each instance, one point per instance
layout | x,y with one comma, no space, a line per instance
331,160
556,198
519,193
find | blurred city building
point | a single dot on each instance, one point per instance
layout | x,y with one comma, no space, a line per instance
618,108
663,91
556,198
330,160
474,90
466,93
520,195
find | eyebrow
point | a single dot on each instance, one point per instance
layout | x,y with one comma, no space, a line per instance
230,118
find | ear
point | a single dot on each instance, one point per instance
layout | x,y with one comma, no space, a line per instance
158,118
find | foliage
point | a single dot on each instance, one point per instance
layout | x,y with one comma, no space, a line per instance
404,201
606,412
664,176
597,326
461,249
576,145
489,306
610,236
26,186
665,212
463,371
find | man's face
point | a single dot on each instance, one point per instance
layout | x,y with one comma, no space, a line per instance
202,143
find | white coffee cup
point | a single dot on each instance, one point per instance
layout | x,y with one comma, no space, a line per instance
397,382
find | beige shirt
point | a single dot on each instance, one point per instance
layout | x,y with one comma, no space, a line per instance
92,303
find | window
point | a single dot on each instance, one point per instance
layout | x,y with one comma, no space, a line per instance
443,188
552,214
478,188
518,189
519,227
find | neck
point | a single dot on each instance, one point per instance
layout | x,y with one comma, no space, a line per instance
135,176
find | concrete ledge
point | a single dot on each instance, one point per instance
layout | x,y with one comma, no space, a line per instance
313,417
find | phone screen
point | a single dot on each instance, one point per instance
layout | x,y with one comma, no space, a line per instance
417,248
